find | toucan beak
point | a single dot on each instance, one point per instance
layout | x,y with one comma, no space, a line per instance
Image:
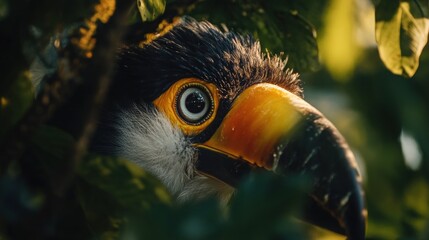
272,129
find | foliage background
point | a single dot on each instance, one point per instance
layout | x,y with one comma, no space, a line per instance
51,188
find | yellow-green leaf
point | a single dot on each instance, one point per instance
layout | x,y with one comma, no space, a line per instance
402,32
150,9
338,43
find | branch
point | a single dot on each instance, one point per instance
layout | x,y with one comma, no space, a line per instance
81,62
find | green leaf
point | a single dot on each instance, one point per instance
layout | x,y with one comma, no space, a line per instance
15,102
264,205
261,209
197,220
416,201
299,41
150,9
402,29
4,9
17,200
103,214
51,144
126,182
278,26
109,188
47,153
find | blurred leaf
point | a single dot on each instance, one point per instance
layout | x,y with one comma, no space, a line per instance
103,214
278,26
4,9
150,9
296,36
110,187
52,143
48,149
338,42
312,10
15,102
48,15
199,220
416,201
402,29
298,41
261,209
27,28
17,201
126,182
263,206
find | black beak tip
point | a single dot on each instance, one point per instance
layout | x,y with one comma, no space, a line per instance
350,221
336,201
355,219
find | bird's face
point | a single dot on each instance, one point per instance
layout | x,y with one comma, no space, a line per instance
200,109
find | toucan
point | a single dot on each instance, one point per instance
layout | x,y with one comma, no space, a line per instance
201,108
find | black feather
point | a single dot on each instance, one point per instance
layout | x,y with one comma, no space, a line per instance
190,49
200,50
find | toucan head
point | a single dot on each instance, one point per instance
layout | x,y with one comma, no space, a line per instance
201,108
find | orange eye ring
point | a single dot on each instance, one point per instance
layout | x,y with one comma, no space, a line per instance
191,122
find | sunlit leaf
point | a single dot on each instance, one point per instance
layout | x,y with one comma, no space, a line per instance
150,9
417,204
338,45
402,29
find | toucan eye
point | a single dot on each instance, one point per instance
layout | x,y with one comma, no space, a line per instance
194,104
190,104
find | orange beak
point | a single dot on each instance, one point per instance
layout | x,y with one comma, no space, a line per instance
272,129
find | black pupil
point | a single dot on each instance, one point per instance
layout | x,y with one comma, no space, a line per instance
195,102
